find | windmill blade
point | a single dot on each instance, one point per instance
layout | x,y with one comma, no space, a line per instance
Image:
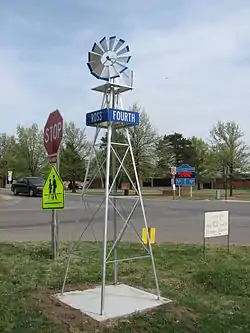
105,73
94,57
127,74
113,72
96,49
124,59
128,77
119,67
95,68
90,67
119,44
111,42
98,70
124,50
95,64
103,43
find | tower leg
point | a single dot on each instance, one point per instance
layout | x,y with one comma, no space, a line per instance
143,213
114,101
105,232
114,193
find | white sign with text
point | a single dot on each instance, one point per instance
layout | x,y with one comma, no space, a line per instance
216,224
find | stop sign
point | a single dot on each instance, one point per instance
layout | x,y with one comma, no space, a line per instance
53,132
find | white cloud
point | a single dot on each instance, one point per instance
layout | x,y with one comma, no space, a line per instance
205,83
15,97
202,47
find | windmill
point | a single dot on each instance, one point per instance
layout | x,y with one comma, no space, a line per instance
108,61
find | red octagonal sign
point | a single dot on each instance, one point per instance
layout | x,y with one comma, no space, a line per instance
53,133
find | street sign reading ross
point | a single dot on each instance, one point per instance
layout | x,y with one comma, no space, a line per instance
53,132
53,191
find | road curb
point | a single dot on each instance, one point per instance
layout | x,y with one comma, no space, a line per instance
246,201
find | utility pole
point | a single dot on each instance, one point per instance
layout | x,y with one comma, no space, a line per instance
226,181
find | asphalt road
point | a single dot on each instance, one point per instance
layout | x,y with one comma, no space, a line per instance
22,219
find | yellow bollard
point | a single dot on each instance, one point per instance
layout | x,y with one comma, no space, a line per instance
152,235
151,232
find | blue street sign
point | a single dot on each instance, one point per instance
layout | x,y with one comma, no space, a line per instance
104,116
96,117
185,175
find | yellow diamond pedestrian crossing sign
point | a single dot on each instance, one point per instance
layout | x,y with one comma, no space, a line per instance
53,191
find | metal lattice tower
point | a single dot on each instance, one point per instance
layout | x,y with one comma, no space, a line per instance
112,117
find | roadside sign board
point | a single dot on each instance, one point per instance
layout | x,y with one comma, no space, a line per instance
173,170
53,133
185,175
10,173
216,224
53,191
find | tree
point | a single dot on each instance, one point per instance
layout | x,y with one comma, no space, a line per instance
165,156
30,152
143,140
98,165
75,148
119,137
4,150
200,158
210,172
7,154
233,153
181,148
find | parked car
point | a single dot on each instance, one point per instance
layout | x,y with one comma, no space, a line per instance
33,186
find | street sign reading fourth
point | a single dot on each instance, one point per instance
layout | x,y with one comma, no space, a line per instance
53,191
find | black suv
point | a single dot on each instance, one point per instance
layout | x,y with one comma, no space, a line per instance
32,186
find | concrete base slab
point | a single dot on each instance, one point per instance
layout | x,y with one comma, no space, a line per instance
120,300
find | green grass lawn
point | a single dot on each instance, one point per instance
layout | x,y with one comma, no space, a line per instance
238,194
145,190
210,295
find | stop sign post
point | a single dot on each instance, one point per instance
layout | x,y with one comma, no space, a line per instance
53,133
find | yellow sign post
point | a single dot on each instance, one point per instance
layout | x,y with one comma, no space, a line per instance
53,191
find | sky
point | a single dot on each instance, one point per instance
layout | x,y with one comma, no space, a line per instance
191,60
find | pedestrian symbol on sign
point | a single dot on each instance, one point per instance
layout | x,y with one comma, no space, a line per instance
54,186
50,189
